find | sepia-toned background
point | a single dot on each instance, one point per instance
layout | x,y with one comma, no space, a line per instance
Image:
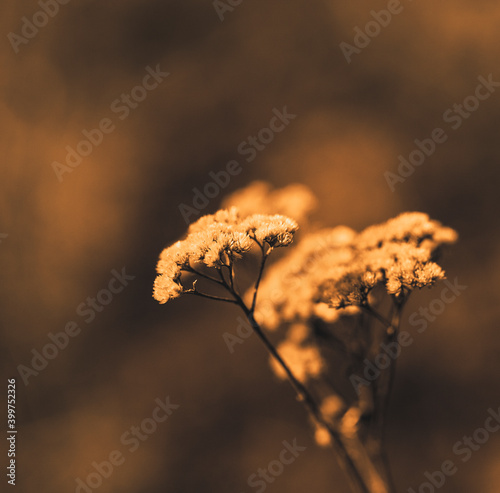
62,236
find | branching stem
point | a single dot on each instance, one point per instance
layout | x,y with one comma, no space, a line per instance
310,403
362,474
192,270
209,296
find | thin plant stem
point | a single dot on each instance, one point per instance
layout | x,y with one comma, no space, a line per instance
304,396
393,337
192,270
386,380
362,476
209,296
231,279
259,276
369,309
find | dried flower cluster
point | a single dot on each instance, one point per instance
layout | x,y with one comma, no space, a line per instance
215,241
337,268
289,291
320,284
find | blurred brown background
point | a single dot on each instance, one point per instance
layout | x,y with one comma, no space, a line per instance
119,208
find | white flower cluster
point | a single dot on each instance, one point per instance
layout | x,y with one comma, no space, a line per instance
217,240
337,268
289,291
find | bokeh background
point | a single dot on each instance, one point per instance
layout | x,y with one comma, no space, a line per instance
120,207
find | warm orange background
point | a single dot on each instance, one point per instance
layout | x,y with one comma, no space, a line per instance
120,208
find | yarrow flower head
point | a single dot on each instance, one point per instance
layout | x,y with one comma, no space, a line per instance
215,241
274,230
338,268
399,254
414,228
289,292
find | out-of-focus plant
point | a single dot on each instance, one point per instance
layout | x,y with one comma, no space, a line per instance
338,295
